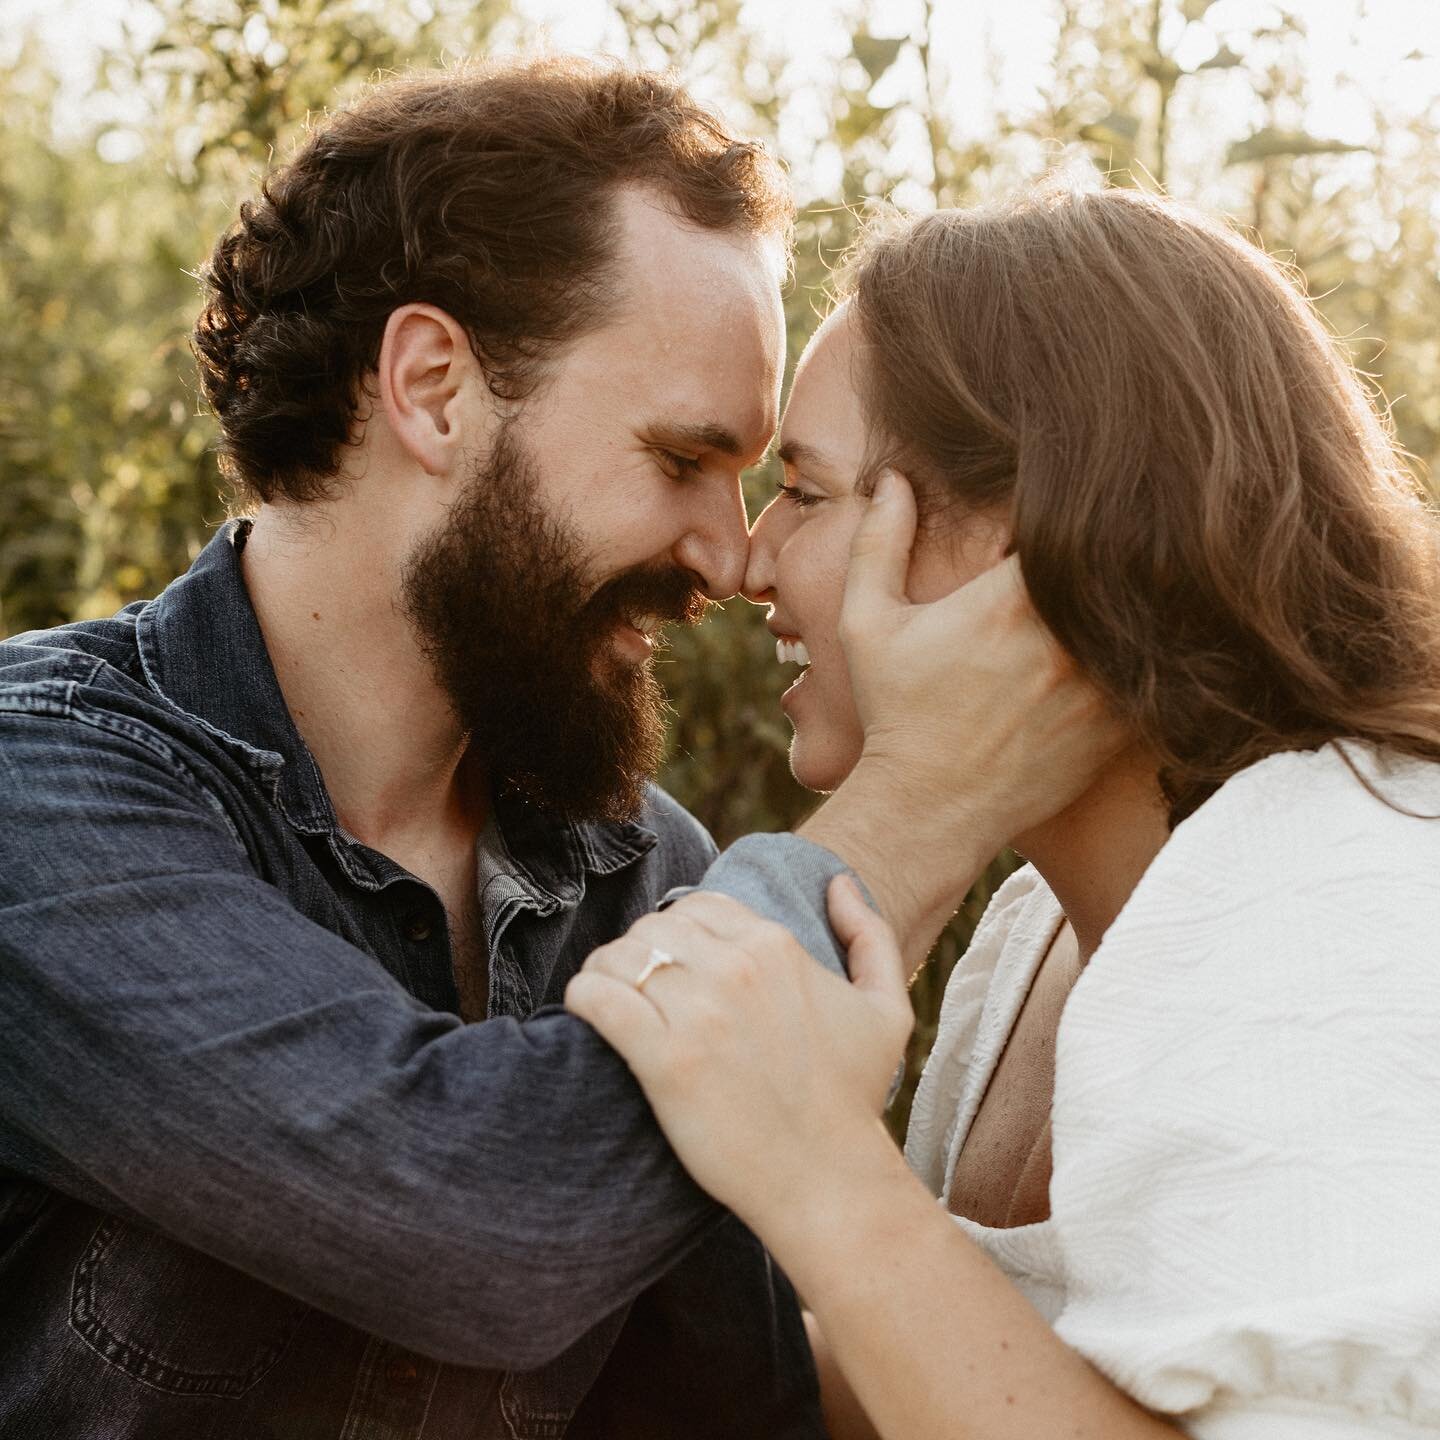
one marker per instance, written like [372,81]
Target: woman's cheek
[827,743]
[828,735]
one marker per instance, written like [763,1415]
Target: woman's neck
[1093,853]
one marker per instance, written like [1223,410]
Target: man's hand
[977,726]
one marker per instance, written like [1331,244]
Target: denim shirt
[257,1178]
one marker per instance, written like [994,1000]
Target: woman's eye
[796,496]
[678,467]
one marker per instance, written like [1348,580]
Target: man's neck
[1094,852]
[359,690]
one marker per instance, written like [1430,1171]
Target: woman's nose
[759,583]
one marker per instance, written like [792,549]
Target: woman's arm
[768,1075]
[845,1417]
[931,1339]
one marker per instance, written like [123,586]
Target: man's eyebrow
[707,435]
[796,452]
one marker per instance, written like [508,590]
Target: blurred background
[131,129]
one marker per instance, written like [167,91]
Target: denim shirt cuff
[781,878]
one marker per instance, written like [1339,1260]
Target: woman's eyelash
[797,496]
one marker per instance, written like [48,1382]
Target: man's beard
[504,612]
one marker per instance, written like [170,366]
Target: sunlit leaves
[876,53]
[1271,143]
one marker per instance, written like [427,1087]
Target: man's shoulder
[83,681]
[93,653]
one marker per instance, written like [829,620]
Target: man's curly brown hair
[483,190]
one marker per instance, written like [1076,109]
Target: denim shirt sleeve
[714,1350]
[183,1046]
[781,878]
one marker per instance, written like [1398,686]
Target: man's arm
[184,1047]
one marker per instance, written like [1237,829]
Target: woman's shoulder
[1343,795]
[1015,928]
[1291,920]
[1272,976]
[1343,828]
[984,988]
[1247,1062]
[1022,895]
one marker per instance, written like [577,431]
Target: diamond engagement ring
[659,960]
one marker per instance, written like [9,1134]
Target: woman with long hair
[1174,1161]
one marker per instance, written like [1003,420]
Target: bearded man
[297,859]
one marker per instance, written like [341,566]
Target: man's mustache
[672,595]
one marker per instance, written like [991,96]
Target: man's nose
[717,545]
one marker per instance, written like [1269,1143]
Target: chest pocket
[175,1319]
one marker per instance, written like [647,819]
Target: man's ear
[425,377]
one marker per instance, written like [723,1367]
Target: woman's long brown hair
[1210,514]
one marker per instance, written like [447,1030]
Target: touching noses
[716,546]
[759,583]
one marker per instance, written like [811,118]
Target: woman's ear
[425,379]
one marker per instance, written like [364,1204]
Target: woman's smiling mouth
[790,649]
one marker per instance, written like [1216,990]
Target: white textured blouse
[1245,1199]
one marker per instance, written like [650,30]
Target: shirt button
[417,926]
[402,1372]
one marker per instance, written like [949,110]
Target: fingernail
[884,487]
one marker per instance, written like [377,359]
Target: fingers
[629,961]
[849,914]
[722,916]
[621,1014]
[683,930]
[999,592]
[880,548]
[704,931]
[876,964]
[694,925]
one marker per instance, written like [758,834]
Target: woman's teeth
[788,651]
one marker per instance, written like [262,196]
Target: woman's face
[800,549]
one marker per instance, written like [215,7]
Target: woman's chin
[821,766]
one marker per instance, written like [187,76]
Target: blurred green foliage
[107,482]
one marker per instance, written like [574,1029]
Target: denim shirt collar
[202,650]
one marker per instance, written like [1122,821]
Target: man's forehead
[698,331]
[655,235]
[689,285]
